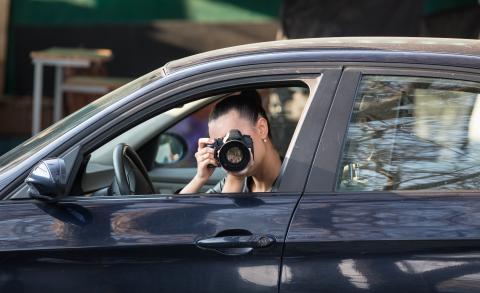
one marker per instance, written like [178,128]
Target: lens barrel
[234,153]
[234,156]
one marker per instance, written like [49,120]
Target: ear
[262,127]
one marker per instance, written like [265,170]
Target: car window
[412,133]
[283,105]
[167,143]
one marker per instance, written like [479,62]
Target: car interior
[157,155]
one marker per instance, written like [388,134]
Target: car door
[393,198]
[164,243]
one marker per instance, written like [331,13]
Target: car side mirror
[172,148]
[47,180]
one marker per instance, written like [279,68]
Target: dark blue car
[378,192]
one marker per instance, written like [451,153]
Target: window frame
[290,170]
[327,161]
[181,91]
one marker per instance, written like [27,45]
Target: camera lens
[234,155]
[234,151]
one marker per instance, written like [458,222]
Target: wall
[143,34]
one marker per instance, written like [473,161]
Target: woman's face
[232,120]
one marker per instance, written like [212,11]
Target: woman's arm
[193,186]
[204,157]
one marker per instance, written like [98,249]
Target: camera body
[233,151]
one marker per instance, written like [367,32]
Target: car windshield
[53,132]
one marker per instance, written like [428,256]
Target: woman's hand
[205,157]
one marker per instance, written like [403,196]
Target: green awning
[436,6]
[81,12]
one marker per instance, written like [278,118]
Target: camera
[233,151]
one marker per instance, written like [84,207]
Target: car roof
[465,47]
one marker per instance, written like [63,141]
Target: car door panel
[140,244]
[387,243]
[378,241]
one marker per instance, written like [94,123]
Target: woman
[244,112]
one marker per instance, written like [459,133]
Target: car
[379,189]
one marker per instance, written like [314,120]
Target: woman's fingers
[204,154]
[205,157]
[203,142]
[211,162]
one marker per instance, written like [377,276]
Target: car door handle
[247,241]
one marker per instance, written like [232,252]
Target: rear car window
[412,133]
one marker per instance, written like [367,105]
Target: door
[144,244]
[392,206]
[195,243]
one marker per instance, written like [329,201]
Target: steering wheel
[131,176]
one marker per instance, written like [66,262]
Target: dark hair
[248,103]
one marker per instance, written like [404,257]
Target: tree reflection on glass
[413,133]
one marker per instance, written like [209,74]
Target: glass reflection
[413,133]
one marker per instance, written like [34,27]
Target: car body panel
[140,243]
[387,44]
[398,241]
[383,242]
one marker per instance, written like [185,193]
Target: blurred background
[117,41]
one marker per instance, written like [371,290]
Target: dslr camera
[233,151]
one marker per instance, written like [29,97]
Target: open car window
[167,142]
[283,105]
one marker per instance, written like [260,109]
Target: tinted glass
[413,133]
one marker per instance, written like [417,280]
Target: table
[59,58]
